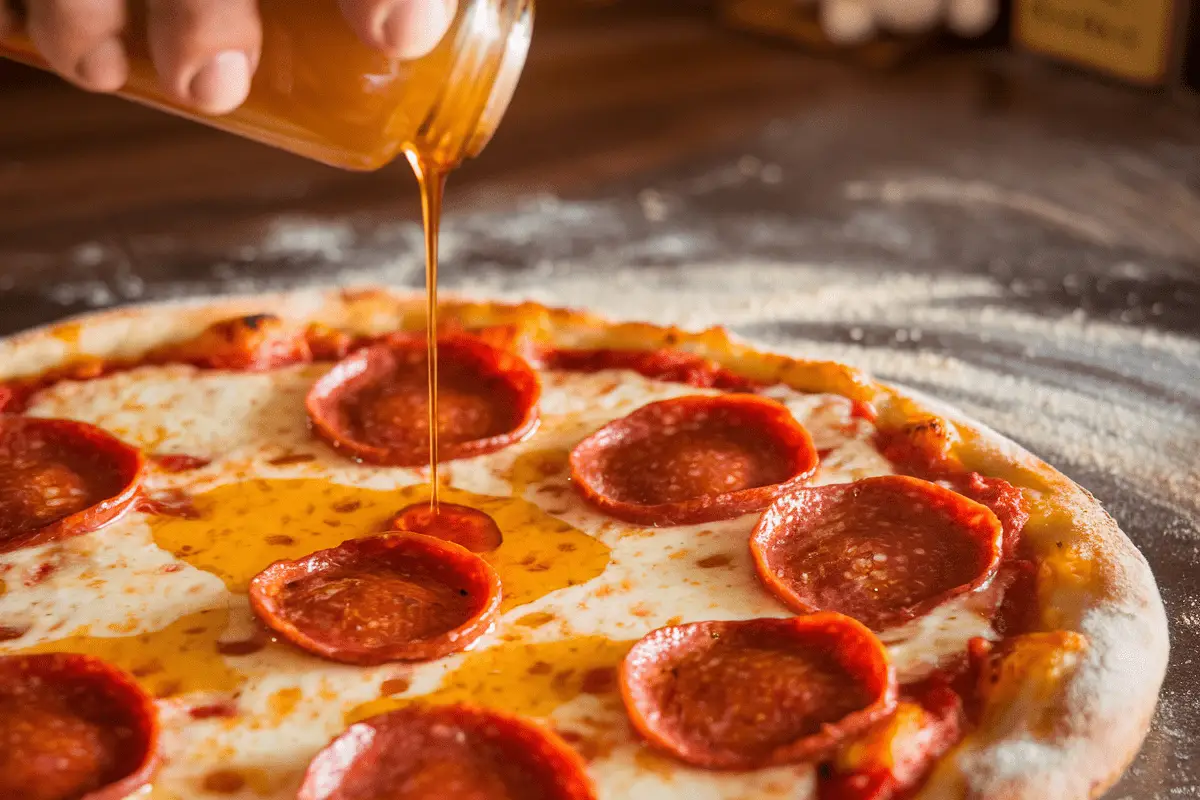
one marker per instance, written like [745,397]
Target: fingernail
[222,84]
[411,28]
[106,68]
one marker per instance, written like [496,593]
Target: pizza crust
[1107,702]
[1093,580]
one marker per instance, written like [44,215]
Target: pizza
[663,565]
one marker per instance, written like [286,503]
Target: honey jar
[321,93]
[1130,40]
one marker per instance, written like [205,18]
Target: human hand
[205,51]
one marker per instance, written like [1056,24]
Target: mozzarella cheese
[243,721]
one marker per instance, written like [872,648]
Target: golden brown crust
[1074,723]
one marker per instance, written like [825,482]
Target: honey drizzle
[432,181]
[238,529]
[525,678]
[186,656]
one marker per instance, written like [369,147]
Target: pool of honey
[236,530]
[241,528]
[186,656]
[320,110]
[530,679]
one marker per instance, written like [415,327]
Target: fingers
[80,39]
[206,51]
[400,28]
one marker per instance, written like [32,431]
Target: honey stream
[238,529]
[432,181]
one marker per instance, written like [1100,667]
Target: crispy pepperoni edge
[672,366]
[128,460]
[773,417]
[859,650]
[482,579]
[251,343]
[960,508]
[356,748]
[120,688]
[373,361]
[922,448]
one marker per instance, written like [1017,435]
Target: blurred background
[1041,110]
[995,202]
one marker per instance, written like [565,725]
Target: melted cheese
[164,597]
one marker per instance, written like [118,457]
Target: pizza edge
[1069,728]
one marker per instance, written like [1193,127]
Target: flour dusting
[952,337]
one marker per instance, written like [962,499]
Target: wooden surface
[609,94]
[1003,217]
[606,93]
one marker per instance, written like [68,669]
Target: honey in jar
[321,93]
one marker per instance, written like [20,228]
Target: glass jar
[322,93]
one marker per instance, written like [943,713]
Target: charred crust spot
[928,425]
[256,321]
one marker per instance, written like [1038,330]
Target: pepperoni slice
[397,597]
[252,343]
[743,695]
[1004,499]
[881,550]
[73,727]
[673,366]
[60,478]
[451,752]
[373,404]
[921,449]
[694,459]
[465,526]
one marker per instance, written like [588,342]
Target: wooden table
[1035,226]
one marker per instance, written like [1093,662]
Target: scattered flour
[1095,397]
[1121,399]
